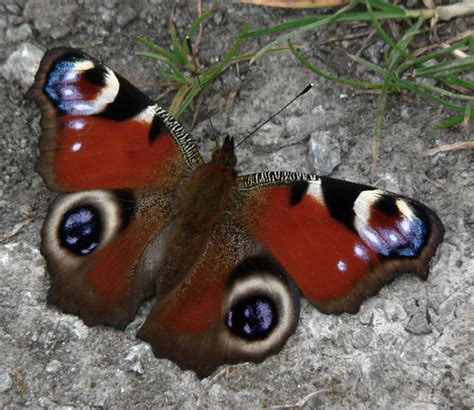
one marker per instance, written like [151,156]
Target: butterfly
[139,215]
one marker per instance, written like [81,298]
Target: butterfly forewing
[340,241]
[100,132]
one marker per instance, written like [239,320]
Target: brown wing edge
[50,124]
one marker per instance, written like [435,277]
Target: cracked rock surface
[408,347]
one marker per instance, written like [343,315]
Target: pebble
[418,324]
[22,64]
[126,15]
[5,382]
[51,18]
[324,152]
[18,33]
[53,366]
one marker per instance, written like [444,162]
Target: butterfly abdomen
[203,202]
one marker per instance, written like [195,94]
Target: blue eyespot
[80,230]
[405,239]
[62,88]
[416,232]
[60,74]
[252,318]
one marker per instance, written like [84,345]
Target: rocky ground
[410,346]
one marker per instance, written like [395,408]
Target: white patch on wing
[76,124]
[361,252]
[342,266]
[146,115]
[374,238]
[109,91]
[363,205]
[314,189]
[82,65]
[405,209]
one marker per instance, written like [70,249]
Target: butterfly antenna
[193,58]
[304,91]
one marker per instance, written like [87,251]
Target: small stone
[126,15]
[366,317]
[324,152]
[110,3]
[53,366]
[137,367]
[22,64]
[405,114]
[137,352]
[437,171]
[5,382]
[13,9]
[418,324]
[361,338]
[18,33]
[375,52]
[52,18]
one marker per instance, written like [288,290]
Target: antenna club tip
[307,88]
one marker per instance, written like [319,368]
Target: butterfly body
[139,214]
[202,203]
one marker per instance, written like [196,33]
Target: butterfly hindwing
[103,249]
[236,305]
[339,241]
[100,132]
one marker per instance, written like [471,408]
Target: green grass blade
[447,68]
[171,76]
[163,60]
[288,25]
[174,108]
[449,122]
[408,85]
[303,60]
[249,56]
[178,51]
[459,82]
[218,68]
[287,36]
[387,7]
[415,62]
[342,18]
[377,134]
[195,89]
[398,49]
[160,50]
[444,92]
[196,23]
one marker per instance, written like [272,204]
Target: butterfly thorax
[203,202]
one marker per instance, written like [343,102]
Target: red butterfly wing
[100,132]
[339,241]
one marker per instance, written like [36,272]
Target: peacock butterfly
[140,214]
